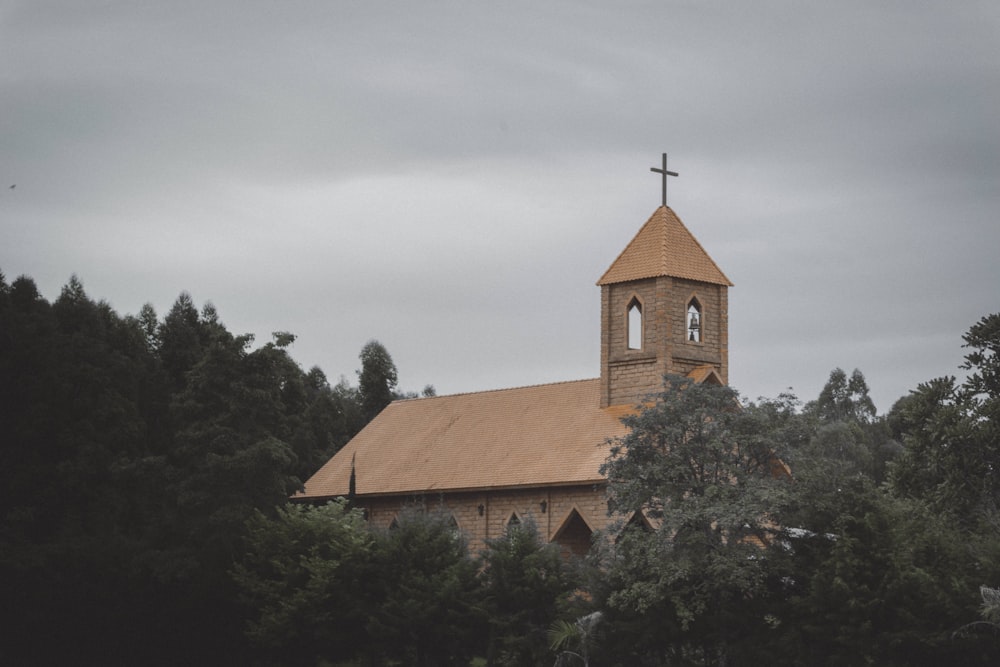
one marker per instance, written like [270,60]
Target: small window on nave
[574,536]
[456,530]
[634,324]
[694,321]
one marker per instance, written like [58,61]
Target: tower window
[634,324]
[694,322]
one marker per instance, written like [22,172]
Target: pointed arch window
[574,535]
[633,324]
[695,322]
[456,530]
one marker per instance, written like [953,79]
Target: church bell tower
[664,309]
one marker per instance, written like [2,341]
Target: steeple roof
[664,247]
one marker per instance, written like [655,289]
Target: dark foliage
[132,453]
[527,586]
[426,607]
[872,552]
[376,379]
[145,465]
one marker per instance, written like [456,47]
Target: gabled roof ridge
[492,391]
[664,244]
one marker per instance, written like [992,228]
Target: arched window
[694,321]
[456,530]
[634,325]
[573,536]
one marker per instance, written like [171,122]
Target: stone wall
[627,375]
[484,515]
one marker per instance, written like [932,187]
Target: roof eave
[472,489]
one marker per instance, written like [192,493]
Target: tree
[951,435]
[182,338]
[981,394]
[699,467]
[983,384]
[579,634]
[376,380]
[231,454]
[843,399]
[426,606]
[132,452]
[850,439]
[307,577]
[882,573]
[323,426]
[71,423]
[348,402]
[888,584]
[527,586]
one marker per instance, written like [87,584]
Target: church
[491,458]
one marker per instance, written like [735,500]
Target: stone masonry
[629,374]
[556,521]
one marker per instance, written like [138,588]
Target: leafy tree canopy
[706,472]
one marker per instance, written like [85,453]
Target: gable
[543,435]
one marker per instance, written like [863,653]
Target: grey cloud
[350,171]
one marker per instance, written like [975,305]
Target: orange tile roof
[664,247]
[542,435]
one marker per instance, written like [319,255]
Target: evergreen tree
[426,606]
[527,587]
[182,337]
[376,379]
[131,454]
[307,576]
[232,454]
[71,426]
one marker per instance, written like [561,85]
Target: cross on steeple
[665,174]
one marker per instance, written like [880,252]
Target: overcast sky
[452,178]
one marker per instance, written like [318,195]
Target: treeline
[146,464]
[816,534]
[748,533]
[327,590]
[132,452]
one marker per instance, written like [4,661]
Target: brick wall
[628,375]
[589,501]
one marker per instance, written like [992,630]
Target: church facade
[495,457]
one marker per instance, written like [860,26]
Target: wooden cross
[665,174]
